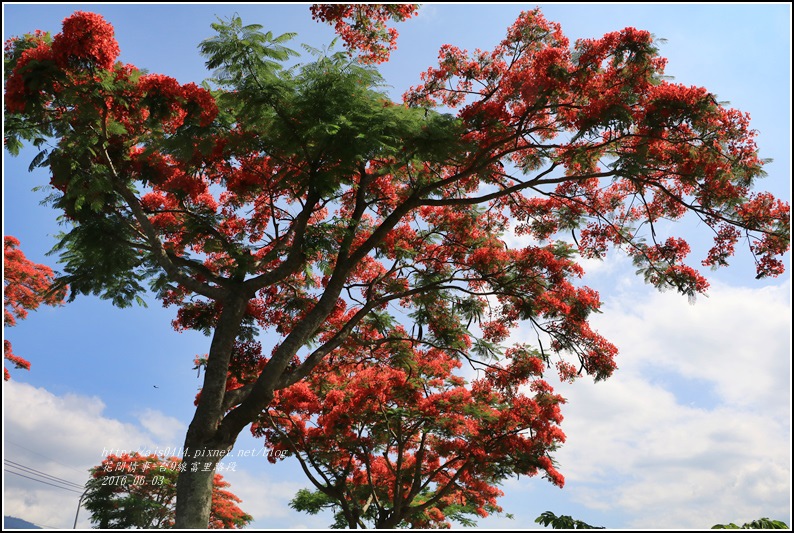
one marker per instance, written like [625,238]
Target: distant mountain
[10,522]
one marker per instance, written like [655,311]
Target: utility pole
[79,503]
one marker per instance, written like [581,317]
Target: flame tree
[304,202]
[410,443]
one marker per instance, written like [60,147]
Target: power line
[42,474]
[28,450]
[40,481]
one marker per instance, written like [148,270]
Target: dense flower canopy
[411,443]
[302,202]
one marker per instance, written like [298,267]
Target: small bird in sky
[155,386]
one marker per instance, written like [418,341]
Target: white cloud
[71,427]
[737,339]
[166,430]
[264,497]
[637,449]
[64,436]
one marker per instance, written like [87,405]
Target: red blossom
[363,26]
[18,91]
[379,248]
[368,426]
[202,101]
[86,38]
[26,285]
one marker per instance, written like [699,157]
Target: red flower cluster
[363,26]
[673,149]
[18,91]
[368,428]
[87,38]
[201,100]
[84,54]
[26,286]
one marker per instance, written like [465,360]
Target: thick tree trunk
[212,429]
[193,496]
[204,445]
[194,485]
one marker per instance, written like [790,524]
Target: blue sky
[694,428]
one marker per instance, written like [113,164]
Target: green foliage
[566,522]
[562,522]
[330,112]
[761,523]
[239,51]
[330,116]
[19,130]
[485,350]
[116,505]
[313,502]
[98,260]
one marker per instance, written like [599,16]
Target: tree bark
[193,497]
[204,445]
